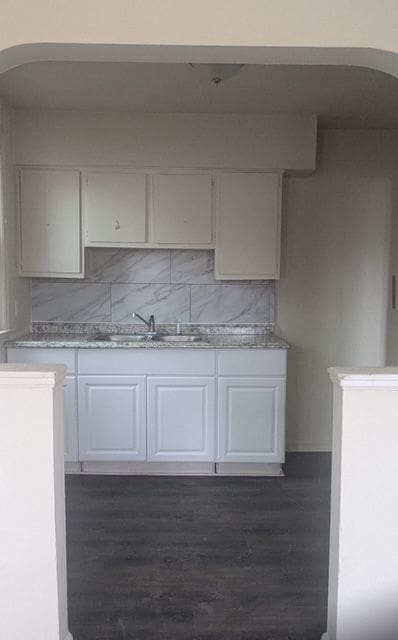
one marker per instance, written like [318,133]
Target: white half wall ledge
[31,375]
[381,378]
[363,558]
[33,586]
[369,57]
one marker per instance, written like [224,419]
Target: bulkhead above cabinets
[62,211]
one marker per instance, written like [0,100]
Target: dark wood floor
[156,558]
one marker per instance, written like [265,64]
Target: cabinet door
[182,209]
[181,419]
[115,208]
[251,420]
[50,243]
[71,446]
[248,226]
[112,418]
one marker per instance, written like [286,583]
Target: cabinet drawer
[147,362]
[250,362]
[44,356]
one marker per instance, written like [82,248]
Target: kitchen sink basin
[179,338]
[146,337]
[122,337]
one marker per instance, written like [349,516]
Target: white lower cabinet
[251,419]
[70,420]
[112,418]
[181,419]
[177,405]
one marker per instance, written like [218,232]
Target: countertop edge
[269,341]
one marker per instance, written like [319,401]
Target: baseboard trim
[149,468]
[299,464]
[175,468]
[246,469]
[73,467]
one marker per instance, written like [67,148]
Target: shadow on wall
[333,293]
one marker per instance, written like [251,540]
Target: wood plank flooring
[197,558]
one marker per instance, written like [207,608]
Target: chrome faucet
[149,323]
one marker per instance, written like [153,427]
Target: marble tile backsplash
[171,284]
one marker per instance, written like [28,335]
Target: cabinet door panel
[50,223]
[115,207]
[248,226]
[181,419]
[251,420]
[71,444]
[112,418]
[182,209]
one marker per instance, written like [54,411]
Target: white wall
[333,295]
[356,32]
[17,289]
[171,140]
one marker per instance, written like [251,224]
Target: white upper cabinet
[50,229]
[182,209]
[149,209]
[248,212]
[115,208]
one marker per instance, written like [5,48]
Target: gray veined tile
[192,266]
[271,299]
[166,302]
[231,303]
[70,302]
[128,265]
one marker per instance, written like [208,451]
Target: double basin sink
[147,337]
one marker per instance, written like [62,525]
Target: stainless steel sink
[146,337]
[179,338]
[122,337]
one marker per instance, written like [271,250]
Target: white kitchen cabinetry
[50,225]
[112,418]
[248,213]
[71,441]
[224,406]
[182,209]
[114,208]
[181,419]
[251,406]
[251,420]
[150,209]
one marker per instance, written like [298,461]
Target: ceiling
[344,97]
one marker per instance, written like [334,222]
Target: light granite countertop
[72,336]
